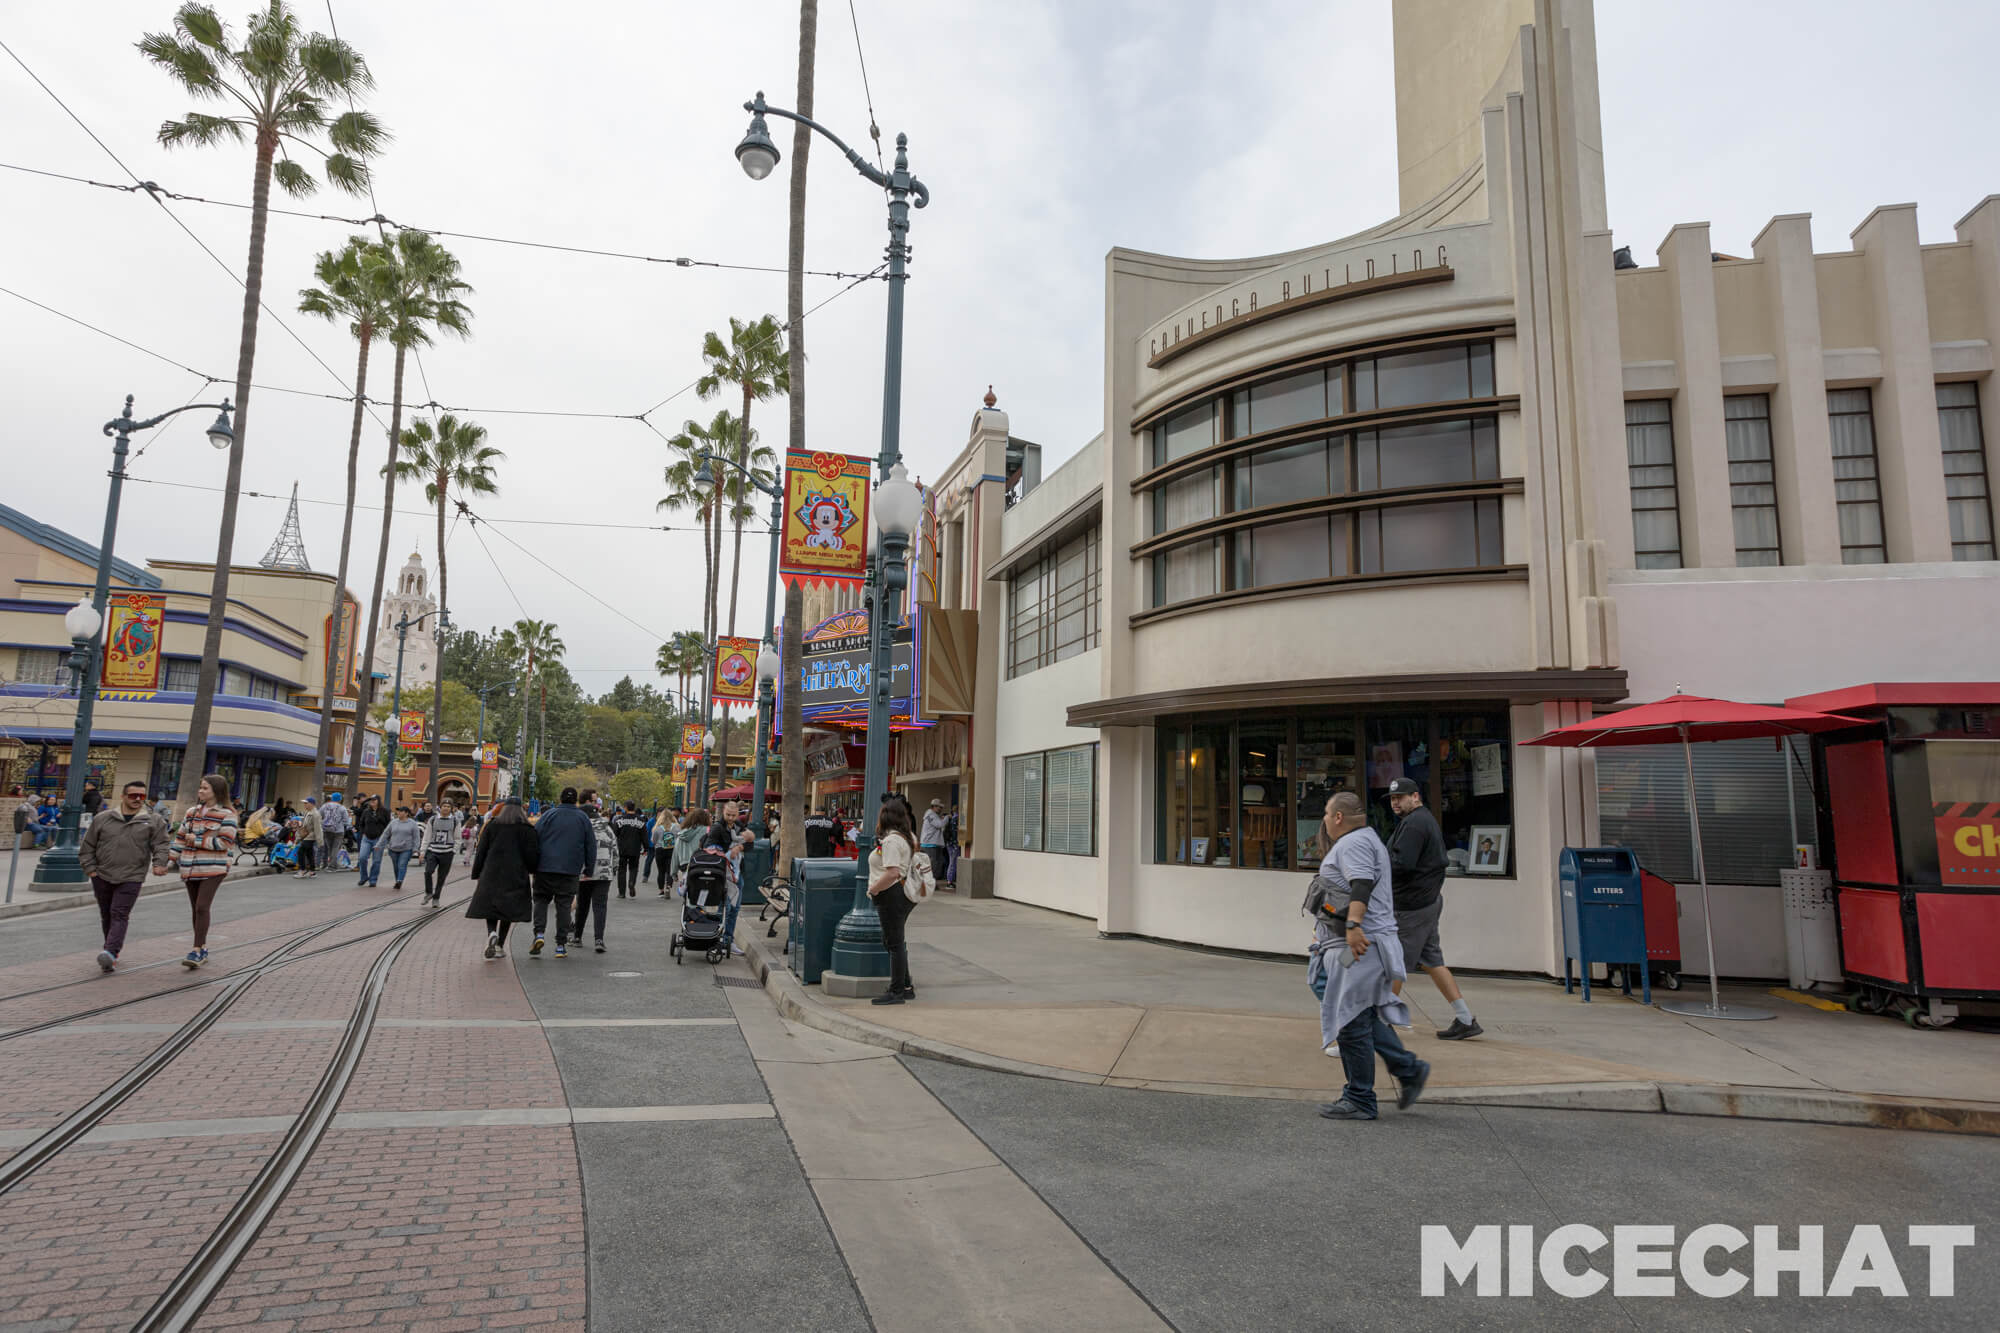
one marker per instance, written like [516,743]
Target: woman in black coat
[504,868]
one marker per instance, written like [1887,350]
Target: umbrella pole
[1714,1008]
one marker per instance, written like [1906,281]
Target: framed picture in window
[1488,845]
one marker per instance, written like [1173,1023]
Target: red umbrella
[1688,718]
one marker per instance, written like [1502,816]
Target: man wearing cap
[1416,851]
[931,839]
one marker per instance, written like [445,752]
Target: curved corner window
[1187,572]
[1189,432]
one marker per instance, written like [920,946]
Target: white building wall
[1032,717]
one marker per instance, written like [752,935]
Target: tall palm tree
[449,458]
[680,657]
[281,81]
[793,779]
[533,643]
[754,361]
[345,292]
[695,485]
[422,289]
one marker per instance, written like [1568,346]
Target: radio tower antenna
[288,549]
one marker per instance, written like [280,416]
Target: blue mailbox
[1604,915]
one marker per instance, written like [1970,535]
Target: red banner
[735,671]
[826,519]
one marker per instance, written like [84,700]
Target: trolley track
[98,979]
[267,963]
[81,1121]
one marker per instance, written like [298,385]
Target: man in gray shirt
[1358,958]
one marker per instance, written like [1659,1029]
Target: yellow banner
[133,630]
[691,734]
[735,671]
[411,729]
[826,518]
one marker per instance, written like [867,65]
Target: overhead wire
[379,220]
[154,194]
[874,130]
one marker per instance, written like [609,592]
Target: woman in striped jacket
[203,848]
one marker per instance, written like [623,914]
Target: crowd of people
[567,862]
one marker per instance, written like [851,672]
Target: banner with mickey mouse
[826,519]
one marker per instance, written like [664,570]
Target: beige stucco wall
[1951,284]
[1645,314]
[1846,310]
[1742,307]
[1448,54]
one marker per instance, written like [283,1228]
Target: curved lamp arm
[759,107]
[773,490]
[127,425]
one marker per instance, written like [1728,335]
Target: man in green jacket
[116,851]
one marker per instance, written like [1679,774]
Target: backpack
[920,883]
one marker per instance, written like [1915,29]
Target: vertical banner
[735,671]
[410,730]
[826,519]
[340,648]
[489,753]
[691,734]
[133,631]
[371,750]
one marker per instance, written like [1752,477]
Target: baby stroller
[702,908]
[284,853]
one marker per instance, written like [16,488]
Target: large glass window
[1251,790]
[1432,375]
[1189,432]
[1186,572]
[1649,456]
[1051,802]
[1021,826]
[1965,482]
[1052,605]
[166,775]
[1421,538]
[1753,478]
[1294,549]
[41,666]
[1432,453]
[182,674]
[1857,482]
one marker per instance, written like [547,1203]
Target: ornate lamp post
[59,867]
[861,946]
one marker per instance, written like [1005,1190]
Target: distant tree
[624,696]
[583,777]
[644,785]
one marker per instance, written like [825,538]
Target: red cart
[1909,812]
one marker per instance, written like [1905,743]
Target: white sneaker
[736,949]
[492,944]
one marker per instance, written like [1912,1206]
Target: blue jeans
[371,849]
[1366,1034]
[729,922]
[398,862]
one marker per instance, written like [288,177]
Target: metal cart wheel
[1672,980]
[715,955]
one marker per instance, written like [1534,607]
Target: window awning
[1588,685]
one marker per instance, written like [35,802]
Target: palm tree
[283,80]
[793,778]
[421,287]
[451,457]
[754,361]
[345,292]
[693,485]
[681,657]
[532,643]
[739,507]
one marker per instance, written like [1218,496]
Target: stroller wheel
[715,955]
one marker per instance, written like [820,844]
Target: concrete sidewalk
[1019,989]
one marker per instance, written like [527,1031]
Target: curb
[1808,1105]
[57,902]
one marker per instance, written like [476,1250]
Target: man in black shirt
[819,828]
[1416,856]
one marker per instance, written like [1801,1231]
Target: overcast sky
[1047,130]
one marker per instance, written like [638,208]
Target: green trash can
[756,868]
[822,893]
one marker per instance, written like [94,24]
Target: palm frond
[332,66]
[200,131]
[292,178]
[192,67]
[202,24]
[357,133]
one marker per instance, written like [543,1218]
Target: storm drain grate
[750,982]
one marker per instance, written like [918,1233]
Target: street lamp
[403,628]
[860,967]
[60,869]
[479,752]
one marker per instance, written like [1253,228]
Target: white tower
[407,598]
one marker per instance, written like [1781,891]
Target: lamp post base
[854,988]
[59,871]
